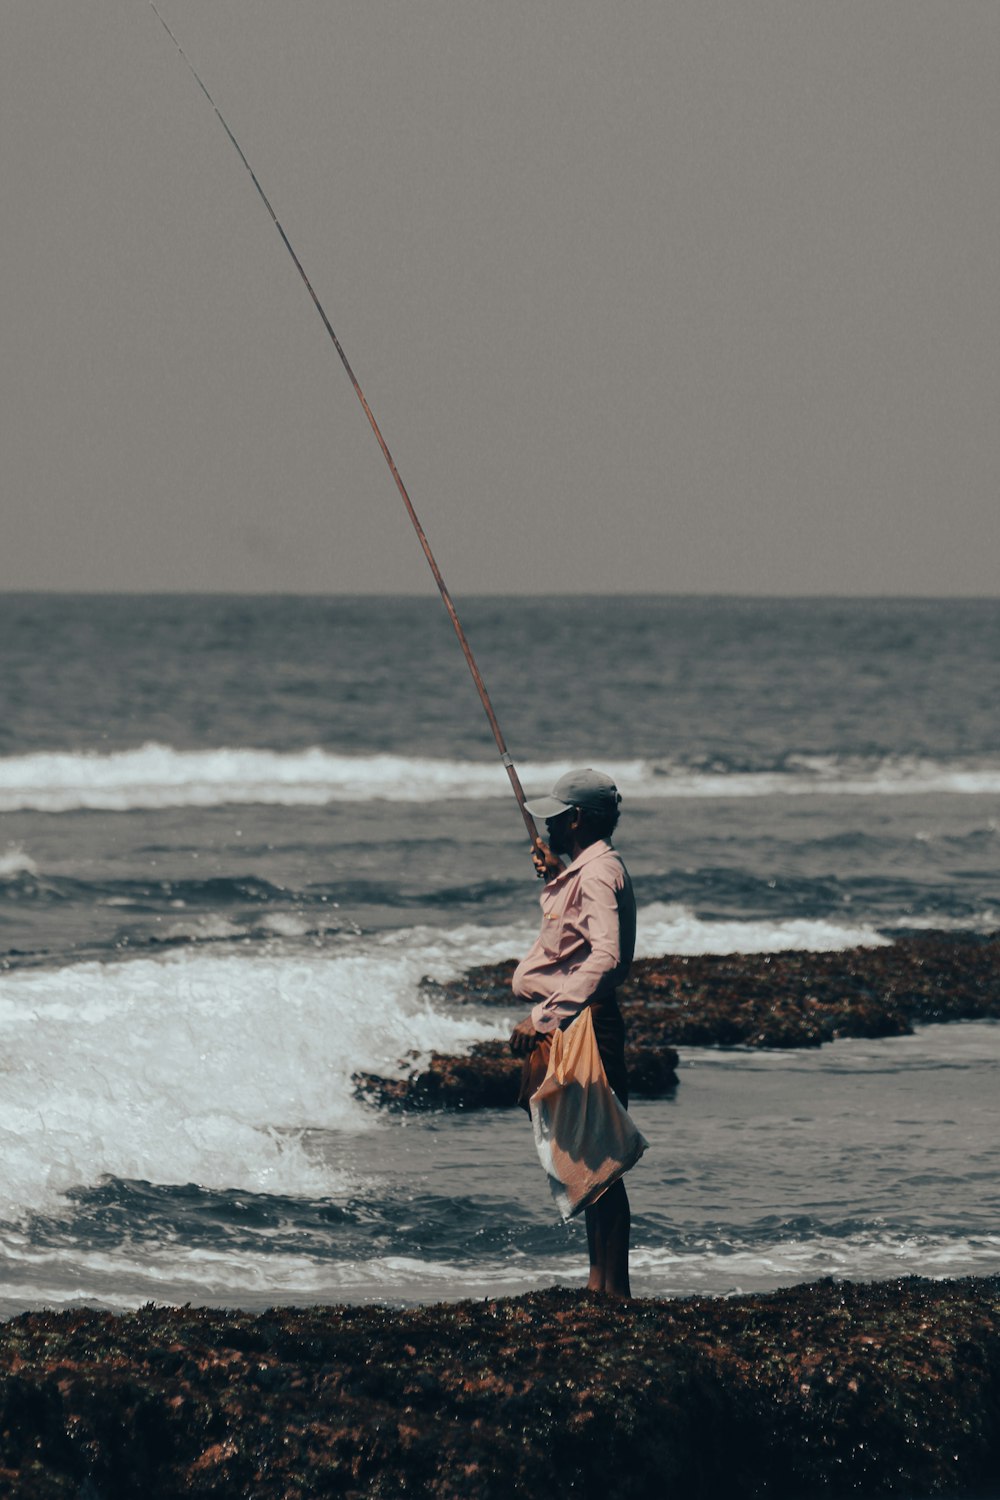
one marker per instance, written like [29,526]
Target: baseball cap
[587,789]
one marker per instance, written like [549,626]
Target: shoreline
[827,1388]
[759,1000]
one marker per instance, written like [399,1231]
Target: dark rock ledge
[750,1000]
[823,1390]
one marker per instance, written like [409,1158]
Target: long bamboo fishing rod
[508,763]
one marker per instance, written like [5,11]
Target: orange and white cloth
[584,1137]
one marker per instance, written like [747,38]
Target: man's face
[559,831]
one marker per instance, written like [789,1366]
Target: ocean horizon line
[429,592]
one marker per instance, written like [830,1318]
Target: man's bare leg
[609,1222]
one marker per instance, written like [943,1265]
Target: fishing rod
[484,696]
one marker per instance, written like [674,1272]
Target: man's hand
[547,865]
[524,1038]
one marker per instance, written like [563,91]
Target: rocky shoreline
[829,1389]
[798,999]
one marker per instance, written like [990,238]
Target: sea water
[237,833]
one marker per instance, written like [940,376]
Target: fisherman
[588,934]
[579,958]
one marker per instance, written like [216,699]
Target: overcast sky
[695,296]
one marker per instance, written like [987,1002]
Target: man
[581,955]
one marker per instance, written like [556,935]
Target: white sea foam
[14,861]
[158,776]
[200,1068]
[987,920]
[659,1271]
[128,1276]
[666,928]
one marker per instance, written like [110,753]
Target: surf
[158,776]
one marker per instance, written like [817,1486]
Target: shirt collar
[592,851]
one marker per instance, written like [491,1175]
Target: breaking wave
[159,776]
[212,1068]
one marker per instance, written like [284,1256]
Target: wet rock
[488,1077]
[805,999]
[830,1389]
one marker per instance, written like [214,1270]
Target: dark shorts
[609,1029]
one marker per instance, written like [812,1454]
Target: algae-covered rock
[487,1077]
[806,999]
[831,1389]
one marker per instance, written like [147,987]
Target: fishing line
[432,562]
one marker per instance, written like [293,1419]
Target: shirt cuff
[544,1019]
[549,1015]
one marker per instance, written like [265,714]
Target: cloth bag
[584,1138]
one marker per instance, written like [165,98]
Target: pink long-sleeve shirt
[585,947]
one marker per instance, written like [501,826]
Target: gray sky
[696,296]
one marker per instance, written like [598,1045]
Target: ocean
[238,832]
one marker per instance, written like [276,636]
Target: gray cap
[590,790]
